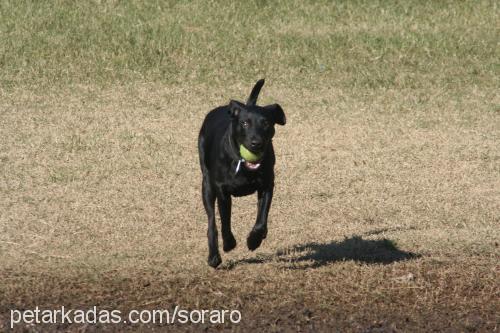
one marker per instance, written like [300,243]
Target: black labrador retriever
[228,133]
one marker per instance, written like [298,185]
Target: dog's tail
[252,99]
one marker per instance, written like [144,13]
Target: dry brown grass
[387,204]
[100,206]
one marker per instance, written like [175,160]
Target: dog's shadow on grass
[314,255]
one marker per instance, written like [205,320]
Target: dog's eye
[265,124]
[245,123]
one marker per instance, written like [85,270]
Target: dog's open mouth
[252,166]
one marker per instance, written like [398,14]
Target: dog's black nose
[255,144]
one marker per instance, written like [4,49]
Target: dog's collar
[238,166]
[233,152]
[241,160]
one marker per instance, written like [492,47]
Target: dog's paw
[255,238]
[214,260]
[229,243]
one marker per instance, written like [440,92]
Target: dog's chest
[244,183]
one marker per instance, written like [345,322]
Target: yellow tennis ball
[248,155]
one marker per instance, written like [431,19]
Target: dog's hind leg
[208,195]
[224,204]
[259,231]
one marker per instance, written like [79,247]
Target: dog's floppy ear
[277,113]
[235,108]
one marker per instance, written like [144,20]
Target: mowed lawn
[386,211]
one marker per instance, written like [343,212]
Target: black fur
[223,131]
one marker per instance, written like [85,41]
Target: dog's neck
[232,147]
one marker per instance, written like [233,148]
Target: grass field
[386,212]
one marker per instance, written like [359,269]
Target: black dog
[226,173]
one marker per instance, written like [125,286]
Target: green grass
[355,44]
[386,210]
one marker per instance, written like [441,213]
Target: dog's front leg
[224,204]
[208,195]
[259,231]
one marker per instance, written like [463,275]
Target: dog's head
[253,125]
